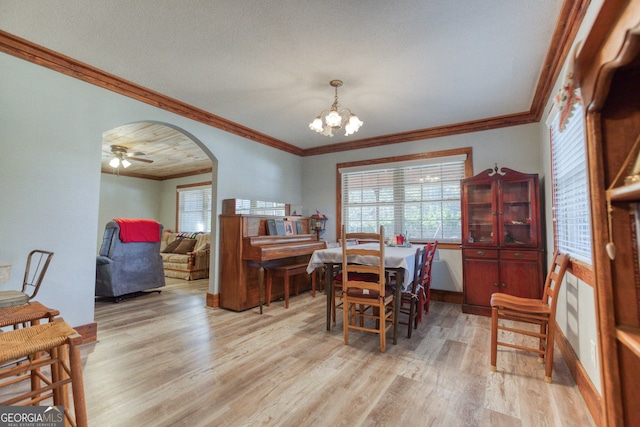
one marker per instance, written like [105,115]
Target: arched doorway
[160,157]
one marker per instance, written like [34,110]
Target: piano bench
[286,272]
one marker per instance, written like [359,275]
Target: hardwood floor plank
[167,360]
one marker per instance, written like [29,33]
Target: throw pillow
[186,245]
[202,247]
[171,246]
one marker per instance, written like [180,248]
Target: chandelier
[332,120]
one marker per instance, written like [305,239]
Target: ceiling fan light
[333,119]
[126,163]
[115,162]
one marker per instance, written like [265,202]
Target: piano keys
[246,249]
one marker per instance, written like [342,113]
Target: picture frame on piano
[290,227]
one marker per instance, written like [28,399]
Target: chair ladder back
[428,263]
[418,271]
[359,237]
[37,265]
[555,277]
[366,301]
[350,280]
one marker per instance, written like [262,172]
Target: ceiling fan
[122,157]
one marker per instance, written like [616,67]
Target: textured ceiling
[406,64]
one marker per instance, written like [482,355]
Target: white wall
[126,197]
[576,312]
[51,129]
[512,147]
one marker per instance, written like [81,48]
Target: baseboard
[446,296]
[89,332]
[213,300]
[590,395]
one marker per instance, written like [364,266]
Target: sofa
[128,267]
[185,255]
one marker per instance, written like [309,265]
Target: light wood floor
[166,360]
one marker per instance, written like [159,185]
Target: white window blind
[572,220]
[420,200]
[256,207]
[194,209]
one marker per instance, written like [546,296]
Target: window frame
[468,172]
[186,187]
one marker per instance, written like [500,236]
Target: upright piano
[246,248]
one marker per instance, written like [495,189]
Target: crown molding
[569,20]
[434,132]
[40,55]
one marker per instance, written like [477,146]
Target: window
[572,222]
[194,207]
[419,197]
[256,207]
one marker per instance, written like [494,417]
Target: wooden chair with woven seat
[55,345]
[350,239]
[357,292]
[37,265]
[29,314]
[537,311]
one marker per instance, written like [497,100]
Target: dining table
[398,260]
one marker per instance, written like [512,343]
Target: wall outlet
[594,353]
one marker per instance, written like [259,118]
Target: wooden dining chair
[425,288]
[348,239]
[364,286]
[410,298]
[537,311]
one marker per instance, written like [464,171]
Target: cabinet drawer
[519,255]
[480,253]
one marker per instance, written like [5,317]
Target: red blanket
[138,230]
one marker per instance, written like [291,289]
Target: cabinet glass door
[481,218]
[515,215]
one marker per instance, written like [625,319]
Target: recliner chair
[127,268]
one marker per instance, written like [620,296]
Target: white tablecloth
[394,257]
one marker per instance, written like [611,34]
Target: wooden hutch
[502,245]
[608,74]
[246,248]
